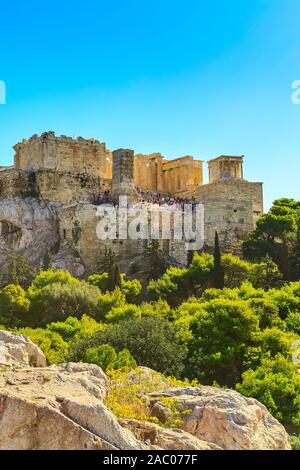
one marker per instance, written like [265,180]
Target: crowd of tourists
[148,197]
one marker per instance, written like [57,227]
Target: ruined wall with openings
[75,172]
[78,228]
[225,167]
[177,177]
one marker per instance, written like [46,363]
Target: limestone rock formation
[225,418]
[167,439]
[16,348]
[58,407]
[63,407]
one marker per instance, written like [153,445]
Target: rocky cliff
[64,407]
[31,227]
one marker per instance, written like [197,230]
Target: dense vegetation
[222,320]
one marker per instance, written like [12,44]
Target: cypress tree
[190,257]
[218,273]
[108,261]
[116,277]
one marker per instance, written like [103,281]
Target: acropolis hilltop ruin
[48,198]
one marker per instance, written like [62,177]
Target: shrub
[18,270]
[267,312]
[49,277]
[131,289]
[125,312]
[14,305]
[108,301]
[162,288]
[276,384]
[51,343]
[236,271]
[73,328]
[293,322]
[127,392]
[153,342]
[100,281]
[106,357]
[295,441]
[285,300]
[221,330]
[59,301]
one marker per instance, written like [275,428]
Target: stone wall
[231,208]
[78,228]
[231,219]
[74,172]
[123,174]
[52,185]
[78,225]
[65,187]
[17,183]
[64,154]
[239,190]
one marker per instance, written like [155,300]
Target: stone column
[123,174]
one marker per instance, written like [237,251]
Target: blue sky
[180,77]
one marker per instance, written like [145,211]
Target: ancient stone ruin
[49,199]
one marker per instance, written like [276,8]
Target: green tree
[73,328]
[58,301]
[49,277]
[267,311]
[153,342]
[177,284]
[108,261]
[221,330]
[68,329]
[14,306]
[199,273]
[99,280]
[274,235]
[106,357]
[18,270]
[124,312]
[265,274]
[131,289]
[102,355]
[167,286]
[47,260]
[51,343]
[156,260]
[276,384]
[273,341]
[295,256]
[236,271]
[108,301]
[218,272]
[293,322]
[115,279]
